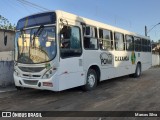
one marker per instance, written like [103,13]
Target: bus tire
[138,71]
[91,80]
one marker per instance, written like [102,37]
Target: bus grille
[29,76]
[31,69]
[30,82]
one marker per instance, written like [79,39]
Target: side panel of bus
[123,63]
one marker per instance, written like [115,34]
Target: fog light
[47,84]
[39,84]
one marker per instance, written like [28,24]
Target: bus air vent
[30,82]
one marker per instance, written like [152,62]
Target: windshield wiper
[38,32]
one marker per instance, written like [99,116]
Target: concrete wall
[155,59]
[6,68]
[6,57]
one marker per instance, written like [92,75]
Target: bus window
[149,46]
[144,45]
[70,42]
[90,38]
[105,39]
[119,41]
[137,42]
[129,43]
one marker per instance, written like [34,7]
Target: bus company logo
[47,65]
[106,58]
[133,57]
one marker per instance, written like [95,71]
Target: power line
[30,5]
[25,6]
[15,6]
[36,5]
[33,5]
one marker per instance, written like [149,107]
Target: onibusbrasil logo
[133,57]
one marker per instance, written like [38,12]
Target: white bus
[58,50]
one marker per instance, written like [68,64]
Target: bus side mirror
[66,32]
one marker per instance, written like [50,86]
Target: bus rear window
[36,20]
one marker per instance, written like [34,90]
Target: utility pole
[145,30]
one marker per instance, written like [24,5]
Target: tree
[5,24]
[156,47]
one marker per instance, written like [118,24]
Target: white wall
[155,59]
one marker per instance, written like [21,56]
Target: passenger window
[137,42]
[149,46]
[105,39]
[70,43]
[90,38]
[119,41]
[129,43]
[145,45]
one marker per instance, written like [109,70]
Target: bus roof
[70,16]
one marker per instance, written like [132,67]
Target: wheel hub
[91,80]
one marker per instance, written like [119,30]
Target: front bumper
[37,83]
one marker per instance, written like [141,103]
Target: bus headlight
[49,73]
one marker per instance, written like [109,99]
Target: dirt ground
[119,94]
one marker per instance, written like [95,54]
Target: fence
[155,59]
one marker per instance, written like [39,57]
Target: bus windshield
[36,45]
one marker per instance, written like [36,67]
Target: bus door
[71,63]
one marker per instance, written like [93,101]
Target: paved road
[120,94]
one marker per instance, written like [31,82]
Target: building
[6,57]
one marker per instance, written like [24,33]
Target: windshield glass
[35,45]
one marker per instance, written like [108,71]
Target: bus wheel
[91,80]
[138,71]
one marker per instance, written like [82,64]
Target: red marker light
[47,84]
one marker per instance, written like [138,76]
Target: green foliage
[5,24]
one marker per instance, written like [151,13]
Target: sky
[131,15]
